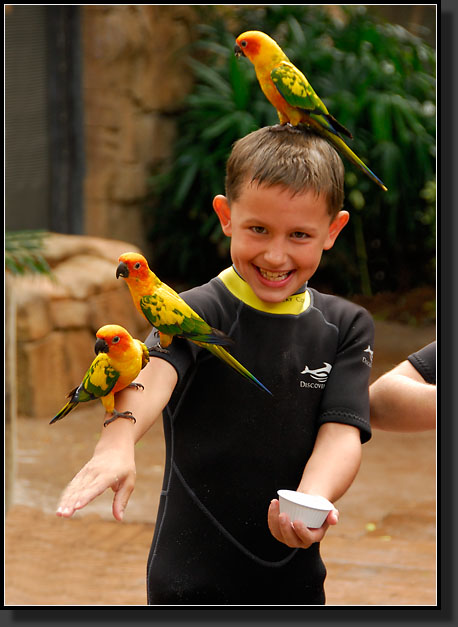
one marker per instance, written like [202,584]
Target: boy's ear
[335,227]
[223,211]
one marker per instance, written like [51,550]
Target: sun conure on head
[295,100]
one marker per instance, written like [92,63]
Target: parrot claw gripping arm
[157,348]
[117,414]
[137,386]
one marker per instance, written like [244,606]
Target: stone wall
[134,81]
[10,435]
[57,318]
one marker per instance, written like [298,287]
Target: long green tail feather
[66,409]
[351,156]
[222,354]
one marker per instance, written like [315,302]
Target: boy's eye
[299,235]
[258,229]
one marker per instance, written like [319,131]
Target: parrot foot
[275,128]
[137,386]
[117,414]
[285,127]
[157,348]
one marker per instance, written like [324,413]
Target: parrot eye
[244,43]
[137,265]
[116,339]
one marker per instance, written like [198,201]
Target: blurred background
[119,120]
[118,123]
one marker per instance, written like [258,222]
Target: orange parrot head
[133,267]
[258,47]
[112,339]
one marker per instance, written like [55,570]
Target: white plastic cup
[311,509]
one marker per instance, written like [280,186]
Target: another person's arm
[401,400]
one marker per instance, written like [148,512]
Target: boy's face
[277,239]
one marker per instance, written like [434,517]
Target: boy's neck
[294,305]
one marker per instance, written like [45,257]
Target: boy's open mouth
[271,275]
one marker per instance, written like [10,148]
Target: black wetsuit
[424,361]
[230,446]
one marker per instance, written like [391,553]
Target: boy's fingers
[296,534]
[274,509]
[304,536]
[288,533]
[121,498]
[69,503]
[272,518]
[83,489]
[309,535]
[281,528]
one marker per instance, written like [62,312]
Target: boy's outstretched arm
[113,462]
[329,472]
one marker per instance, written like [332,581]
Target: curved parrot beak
[122,270]
[101,346]
[238,51]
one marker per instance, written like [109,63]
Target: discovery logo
[370,352]
[320,375]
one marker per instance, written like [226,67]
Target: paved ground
[382,552]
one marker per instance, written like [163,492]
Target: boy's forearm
[158,379]
[329,472]
[334,463]
[113,462]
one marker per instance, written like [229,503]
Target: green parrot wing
[298,92]
[295,88]
[99,380]
[171,315]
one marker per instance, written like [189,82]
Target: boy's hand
[295,534]
[101,472]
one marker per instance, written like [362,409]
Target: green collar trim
[293,305]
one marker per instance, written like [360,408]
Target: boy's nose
[275,255]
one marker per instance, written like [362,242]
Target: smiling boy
[220,538]
[277,239]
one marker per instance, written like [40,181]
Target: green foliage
[375,78]
[23,252]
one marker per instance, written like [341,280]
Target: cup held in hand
[311,509]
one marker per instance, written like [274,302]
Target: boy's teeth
[273,276]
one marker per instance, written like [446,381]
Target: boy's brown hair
[297,159]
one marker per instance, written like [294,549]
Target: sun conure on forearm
[120,357]
[171,315]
